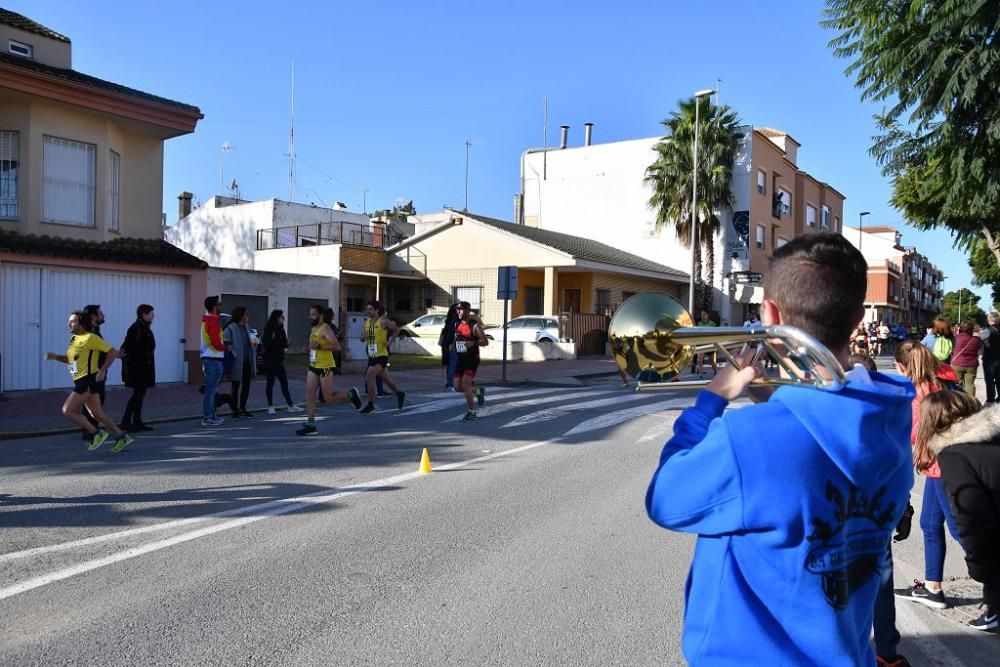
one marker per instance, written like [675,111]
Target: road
[529,543]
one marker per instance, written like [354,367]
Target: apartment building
[598,191]
[904,286]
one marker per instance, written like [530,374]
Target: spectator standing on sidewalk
[965,358]
[213,353]
[966,441]
[990,335]
[939,340]
[138,366]
[275,342]
[449,358]
[237,339]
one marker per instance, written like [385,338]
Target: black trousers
[276,369]
[991,373]
[242,390]
[133,409]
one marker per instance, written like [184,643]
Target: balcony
[328,233]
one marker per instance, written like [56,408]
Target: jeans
[934,513]
[449,381]
[886,634]
[276,369]
[212,368]
[133,410]
[991,372]
[967,378]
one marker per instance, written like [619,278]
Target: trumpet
[653,338]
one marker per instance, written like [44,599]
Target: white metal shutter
[9,168]
[22,351]
[68,181]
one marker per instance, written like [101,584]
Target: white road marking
[458,400]
[655,432]
[497,408]
[619,416]
[258,512]
[562,410]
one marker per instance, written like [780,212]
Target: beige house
[461,252]
[81,181]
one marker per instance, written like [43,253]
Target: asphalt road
[529,543]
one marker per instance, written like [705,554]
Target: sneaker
[308,429]
[400,399]
[919,593]
[271,410]
[246,414]
[98,439]
[122,442]
[624,384]
[354,397]
[988,620]
[470,416]
[295,408]
[235,415]
[368,409]
[895,661]
[211,421]
[480,396]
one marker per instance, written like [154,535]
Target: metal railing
[327,233]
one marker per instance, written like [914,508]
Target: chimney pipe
[563,135]
[183,205]
[588,130]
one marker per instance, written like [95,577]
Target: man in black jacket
[991,356]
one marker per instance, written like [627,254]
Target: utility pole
[364,199]
[545,138]
[225,148]
[291,139]
[468,144]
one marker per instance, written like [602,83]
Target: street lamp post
[861,223]
[694,196]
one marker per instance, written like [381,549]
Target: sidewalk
[25,414]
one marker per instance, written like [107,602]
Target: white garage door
[53,292]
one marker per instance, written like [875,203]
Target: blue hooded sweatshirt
[794,502]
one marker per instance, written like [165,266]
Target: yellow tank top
[320,358]
[376,338]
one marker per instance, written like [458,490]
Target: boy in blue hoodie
[793,500]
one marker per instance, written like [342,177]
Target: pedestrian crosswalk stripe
[458,400]
[555,413]
[497,408]
[619,416]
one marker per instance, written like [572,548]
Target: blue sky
[387,93]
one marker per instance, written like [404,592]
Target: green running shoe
[308,429]
[122,442]
[98,439]
[470,416]
[480,396]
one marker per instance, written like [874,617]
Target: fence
[327,233]
[588,331]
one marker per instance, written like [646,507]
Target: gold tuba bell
[653,339]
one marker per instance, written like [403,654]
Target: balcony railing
[327,233]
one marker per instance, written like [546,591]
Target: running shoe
[271,410]
[354,397]
[480,396]
[122,442]
[470,416]
[295,408]
[368,409]
[98,439]
[895,661]
[988,620]
[400,399]
[308,429]
[919,593]
[212,421]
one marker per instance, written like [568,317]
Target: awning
[748,294]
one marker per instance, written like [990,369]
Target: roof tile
[20,22]
[155,252]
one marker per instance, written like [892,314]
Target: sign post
[506,290]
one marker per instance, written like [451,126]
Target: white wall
[875,247]
[313,260]
[277,287]
[224,237]
[287,214]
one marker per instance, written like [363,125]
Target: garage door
[58,291]
[257,305]
[297,320]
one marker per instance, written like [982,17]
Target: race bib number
[72,368]
[460,347]
[312,356]
[373,351]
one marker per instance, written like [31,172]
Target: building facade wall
[47,51]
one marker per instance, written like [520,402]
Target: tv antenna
[225,148]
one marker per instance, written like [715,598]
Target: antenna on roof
[225,148]
[291,139]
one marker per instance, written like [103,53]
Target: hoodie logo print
[849,548]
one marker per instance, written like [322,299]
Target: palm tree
[670,176]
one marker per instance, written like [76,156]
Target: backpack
[942,348]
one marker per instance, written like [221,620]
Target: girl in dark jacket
[966,442]
[275,342]
[138,366]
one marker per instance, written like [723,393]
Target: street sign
[507,282]
[748,277]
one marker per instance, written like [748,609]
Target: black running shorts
[467,364]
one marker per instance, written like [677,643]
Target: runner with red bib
[469,337]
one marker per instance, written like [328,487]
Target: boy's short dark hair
[210,303]
[819,281]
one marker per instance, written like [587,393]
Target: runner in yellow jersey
[378,334]
[322,345]
[82,355]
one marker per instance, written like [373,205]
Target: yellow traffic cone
[425,463]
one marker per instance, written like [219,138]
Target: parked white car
[425,326]
[528,329]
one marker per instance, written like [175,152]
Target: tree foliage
[985,270]
[962,302]
[936,64]
[670,176]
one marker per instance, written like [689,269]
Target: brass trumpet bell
[640,337]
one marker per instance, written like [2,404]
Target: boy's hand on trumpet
[730,382]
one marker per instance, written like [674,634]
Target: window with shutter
[9,169]
[68,181]
[114,183]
